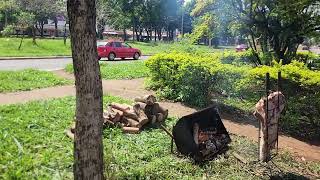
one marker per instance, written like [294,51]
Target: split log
[131,122]
[108,122]
[132,130]
[157,108]
[141,105]
[121,107]
[160,117]
[69,134]
[153,119]
[240,158]
[148,99]
[163,111]
[126,109]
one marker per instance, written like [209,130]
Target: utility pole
[182,33]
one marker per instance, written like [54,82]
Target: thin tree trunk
[124,35]
[133,30]
[56,32]
[160,34]
[41,28]
[155,34]
[88,147]
[5,18]
[34,36]
[65,34]
[21,41]
[140,35]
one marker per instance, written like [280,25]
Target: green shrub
[312,60]
[239,58]
[195,80]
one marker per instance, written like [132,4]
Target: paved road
[45,64]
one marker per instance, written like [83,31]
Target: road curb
[44,57]
[31,58]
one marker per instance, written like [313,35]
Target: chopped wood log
[148,99]
[240,158]
[121,107]
[126,109]
[131,122]
[132,130]
[143,122]
[108,122]
[163,111]
[153,119]
[156,108]
[69,134]
[141,105]
[160,117]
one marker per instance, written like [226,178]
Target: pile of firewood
[131,118]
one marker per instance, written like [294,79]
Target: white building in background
[49,28]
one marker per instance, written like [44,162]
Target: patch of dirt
[62,73]
[132,88]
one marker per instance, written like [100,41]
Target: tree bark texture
[88,147]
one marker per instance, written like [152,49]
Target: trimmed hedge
[196,80]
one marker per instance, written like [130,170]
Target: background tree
[25,21]
[204,24]
[88,147]
[278,26]
[7,8]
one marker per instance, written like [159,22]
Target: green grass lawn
[55,47]
[24,80]
[119,70]
[156,47]
[34,146]
[44,47]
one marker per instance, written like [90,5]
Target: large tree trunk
[88,147]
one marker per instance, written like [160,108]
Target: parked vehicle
[241,47]
[117,49]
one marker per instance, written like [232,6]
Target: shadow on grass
[288,176]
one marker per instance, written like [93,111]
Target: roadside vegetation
[56,47]
[44,47]
[234,80]
[33,145]
[152,48]
[119,70]
[29,79]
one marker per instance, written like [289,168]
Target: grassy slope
[11,81]
[33,145]
[120,70]
[154,48]
[52,47]
[44,47]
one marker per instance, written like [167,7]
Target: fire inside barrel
[201,135]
